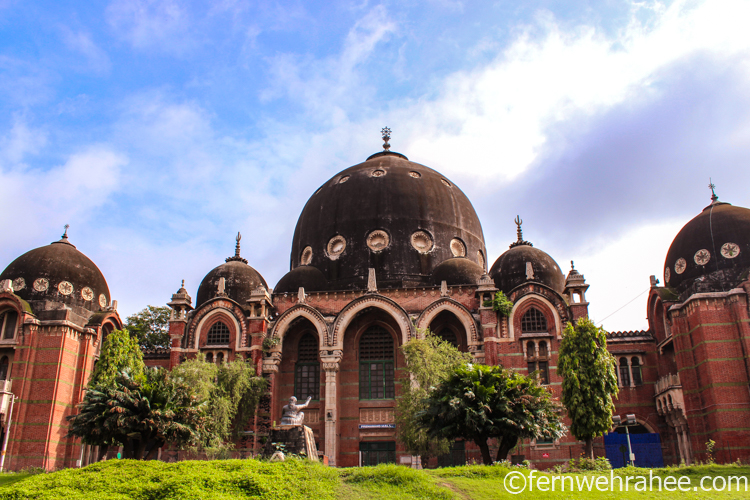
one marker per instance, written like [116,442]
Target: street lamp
[629,421]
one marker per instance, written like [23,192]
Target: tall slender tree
[119,353]
[589,381]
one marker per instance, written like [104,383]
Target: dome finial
[386,134]
[572,266]
[237,251]
[65,234]
[183,284]
[711,185]
[519,232]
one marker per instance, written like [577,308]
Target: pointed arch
[307,312]
[450,305]
[377,301]
[524,304]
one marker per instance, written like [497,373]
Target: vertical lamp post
[629,420]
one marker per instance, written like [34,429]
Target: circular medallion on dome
[728,250]
[343,179]
[65,288]
[87,293]
[19,284]
[378,173]
[306,256]
[680,266]
[41,284]
[702,257]
[458,248]
[416,175]
[422,241]
[480,258]
[446,182]
[667,275]
[336,247]
[378,240]
[102,300]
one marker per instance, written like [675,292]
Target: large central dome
[399,217]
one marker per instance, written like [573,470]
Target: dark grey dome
[240,281]
[458,271]
[396,216]
[712,250]
[58,272]
[510,269]
[308,277]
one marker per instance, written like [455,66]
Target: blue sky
[158,129]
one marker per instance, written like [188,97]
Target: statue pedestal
[296,439]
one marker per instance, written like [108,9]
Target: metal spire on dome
[519,233]
[237,251]
[711,185]
[386,134]
[65,234]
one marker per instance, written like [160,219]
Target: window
[538,360]
[307,369]
[4,368]
[218,334]
[635,368]
[376,364]
[449,336]
[533,321]
[624,373]
[210,357]
[380,452]
[220,358]
[8,320]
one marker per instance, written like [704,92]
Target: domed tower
[55,311]
[398,217]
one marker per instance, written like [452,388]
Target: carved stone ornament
[667,275]
[378,173]
[343,179]
[680,266]
[19,284]
[445,181]
[307,255]
[702,257]
[41,284]
[378,240]
[336,247]
[65,288]
[102,300]
[728,250]
[87,293]
[416,175]
[458,248]
[422,241]
[291,412]
[480,259]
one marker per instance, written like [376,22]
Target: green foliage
[477,402]
[269,343]
[120,353]
[429,360]
[150,327]
[137,413]
[229,392]
[589,381]
[500,304]
[598,464]
[392,481]
[710,445]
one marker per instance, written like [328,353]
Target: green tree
[150,327]
[119,353]
[477,402]
[589,381]
[429,360]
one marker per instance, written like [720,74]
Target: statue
[292,414]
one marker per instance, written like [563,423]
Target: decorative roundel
[378,240]
[378,173]
[702,257]
[667,275]
[422,241]
[458,248]
[41,284]
[65,288]
[728,250]
[480,258]
[416,175]
[343,179]
[87,293]
[445,181]
[680,265]
[336,247]
[306,258]
[102,300]
[19,284]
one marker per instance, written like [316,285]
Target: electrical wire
[624,305]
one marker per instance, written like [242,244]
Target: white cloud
[150,24]
[81,42]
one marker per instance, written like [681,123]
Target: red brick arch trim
[543,305]
[235,320]
[349,312]
[302,311]
[463,315]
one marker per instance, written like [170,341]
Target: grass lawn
[239,479]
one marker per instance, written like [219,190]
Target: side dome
[523,263]
[239,280]
[387,213]
[308,277]
[457,271]
[712,251]
[58,272]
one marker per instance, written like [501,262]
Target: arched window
[4,368]
[624,373]
[210,357]
[449,336]
[635,368]
[307,369]
[533,321]
[8,320]
[376,356]
[220,357]
[218,334]
[538,363]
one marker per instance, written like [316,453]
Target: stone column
[331,363]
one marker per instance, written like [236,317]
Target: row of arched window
[8,320]
[629,371]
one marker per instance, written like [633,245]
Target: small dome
[457,271]
[58,272]
[308,277]
[713,248]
